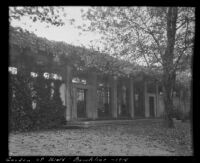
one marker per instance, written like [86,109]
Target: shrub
[49,112]
[19,103]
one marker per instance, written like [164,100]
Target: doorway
[103,97]
[81,103]
[151,106]
[139,100]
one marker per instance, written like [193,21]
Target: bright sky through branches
[67,33]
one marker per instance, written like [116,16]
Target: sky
[67,33]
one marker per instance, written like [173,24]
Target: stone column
[66,73]
[114,97]
[131,98]
[94,96]
[74,108]
[69,94]
[91,96]
[157,100]
[146,100]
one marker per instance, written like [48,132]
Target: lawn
[138,138]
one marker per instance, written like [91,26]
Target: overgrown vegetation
[23,91]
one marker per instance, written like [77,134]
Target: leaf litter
[138,138]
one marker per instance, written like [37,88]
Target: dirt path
[123,140]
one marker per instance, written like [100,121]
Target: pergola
[30,53]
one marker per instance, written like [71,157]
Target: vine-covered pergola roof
[60,54]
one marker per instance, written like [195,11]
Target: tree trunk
[168,72]
[168,83]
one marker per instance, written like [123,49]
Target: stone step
[101,123]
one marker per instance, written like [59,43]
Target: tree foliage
[160,37]
[49,15]
[140,33]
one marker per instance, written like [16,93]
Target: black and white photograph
[100,80]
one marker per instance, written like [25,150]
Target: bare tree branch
[151,33]
[183,23]
[143,51]
[180,56]
[155,39]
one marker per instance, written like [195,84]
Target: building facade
[98,96]
[89,90]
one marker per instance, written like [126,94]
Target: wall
[160,108]
[91,96]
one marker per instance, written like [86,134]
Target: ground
[140,137]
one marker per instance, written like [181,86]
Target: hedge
[23,90]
